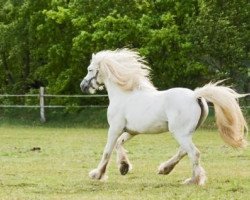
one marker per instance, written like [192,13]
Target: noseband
[94,78]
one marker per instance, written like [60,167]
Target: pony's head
[92,81]
[123,67]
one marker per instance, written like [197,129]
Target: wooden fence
[42,105]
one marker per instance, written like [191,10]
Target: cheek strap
[94,78]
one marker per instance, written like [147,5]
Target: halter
[94,78]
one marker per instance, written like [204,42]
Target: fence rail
[42,105]
[53,95]
[52,106]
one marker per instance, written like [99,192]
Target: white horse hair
[137,107]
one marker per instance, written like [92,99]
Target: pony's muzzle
[84,86]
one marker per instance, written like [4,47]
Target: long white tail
[229,118]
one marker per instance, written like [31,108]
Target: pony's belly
[158,127]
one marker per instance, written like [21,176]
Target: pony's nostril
[83,87]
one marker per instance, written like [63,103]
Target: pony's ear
[93,55]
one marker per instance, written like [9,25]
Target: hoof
[97,175]
[165,170]
[189,181]
[199,177]
[195,181]
[124,168]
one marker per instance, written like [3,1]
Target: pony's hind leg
[168,166]
[122,159]
[199,175]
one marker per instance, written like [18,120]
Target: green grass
[60,169]
[88,117]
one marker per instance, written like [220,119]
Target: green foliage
[187,43]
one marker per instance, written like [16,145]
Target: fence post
[42,109]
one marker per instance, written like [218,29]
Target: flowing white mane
[124,67]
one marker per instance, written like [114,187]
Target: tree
[187,43]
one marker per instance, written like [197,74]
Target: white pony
[137,107]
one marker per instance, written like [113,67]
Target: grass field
[60,169]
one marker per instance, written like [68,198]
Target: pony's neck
[114,91]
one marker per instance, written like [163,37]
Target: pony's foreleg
[99,172]
[199,175]
[168,166]
[122,159]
